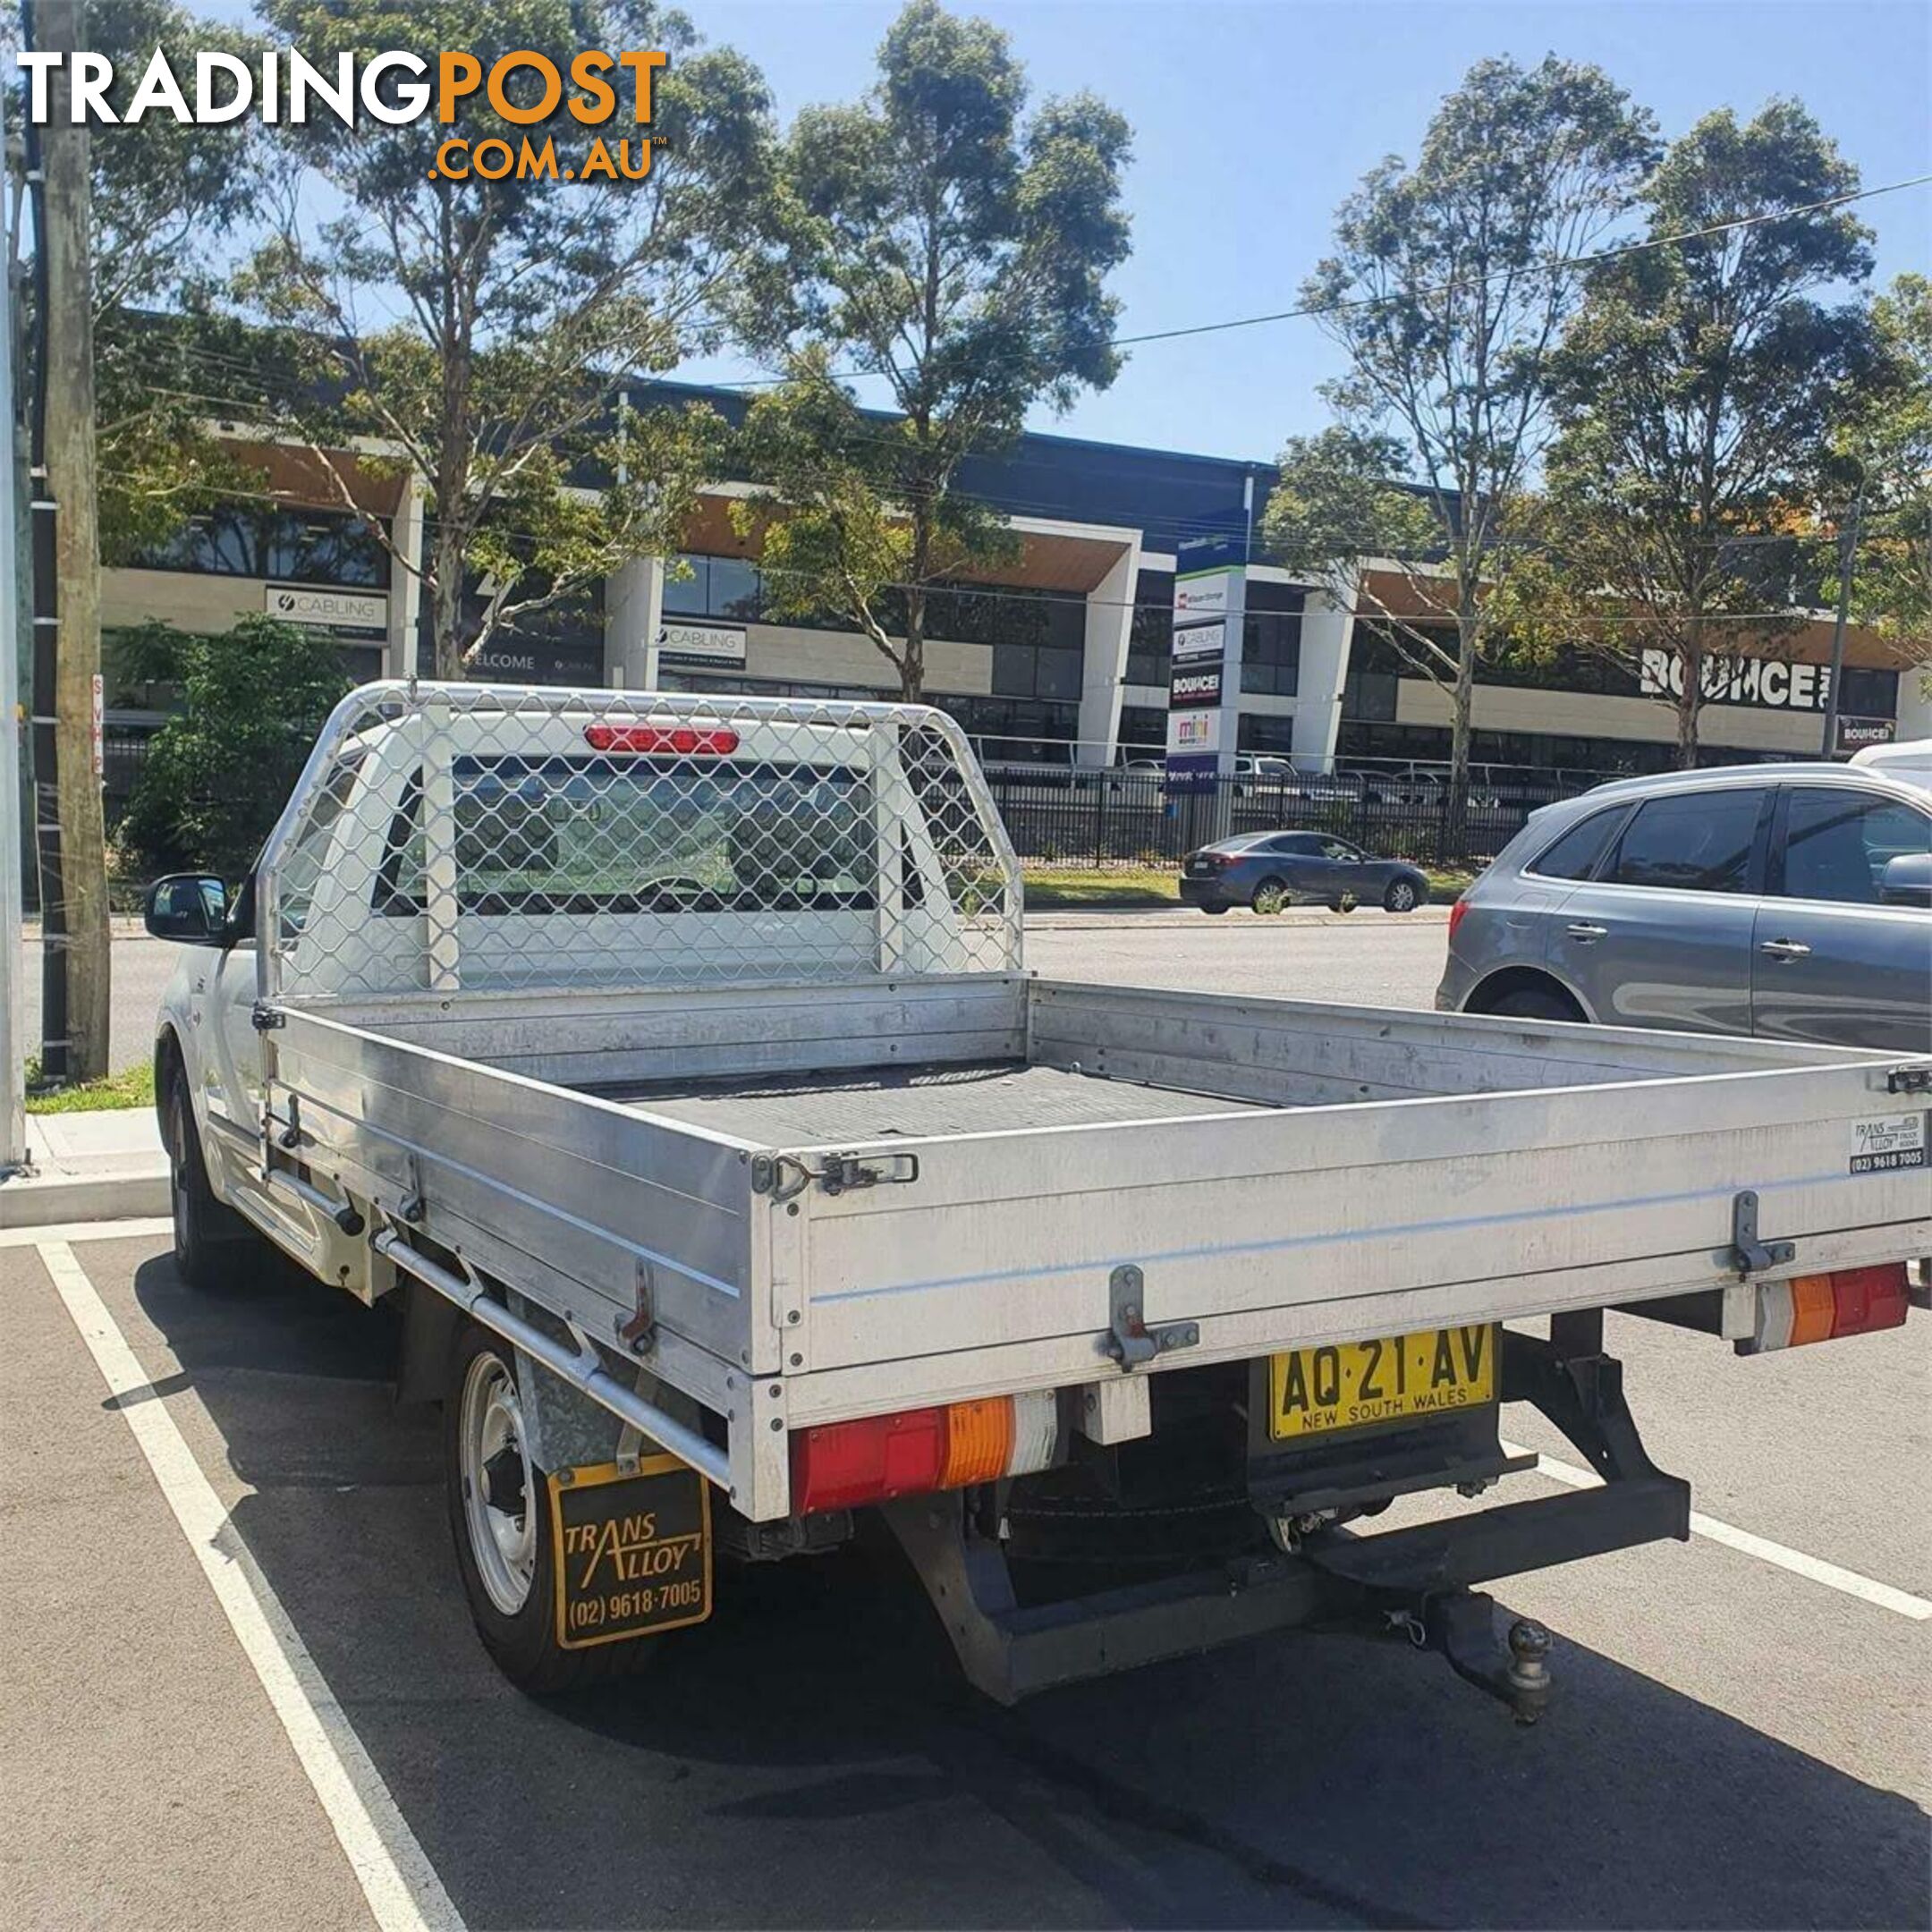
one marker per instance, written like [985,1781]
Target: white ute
[672,1059]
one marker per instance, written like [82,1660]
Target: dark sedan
[1269,871]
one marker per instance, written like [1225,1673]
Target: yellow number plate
[1316,1391]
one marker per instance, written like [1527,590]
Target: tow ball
[1462,1625]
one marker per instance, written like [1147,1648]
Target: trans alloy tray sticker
[1885,1145]
[632,1551]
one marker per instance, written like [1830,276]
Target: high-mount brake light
[840,1465]
[688,740]
[1823,1308]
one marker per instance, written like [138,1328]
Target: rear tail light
[689,740]
[1458,912]
[1821,1308]
[842,1464]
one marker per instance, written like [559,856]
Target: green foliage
[216,777]
[936,236]
[1446,291]
[519,307]
[1698,391]
[1887,441]
[166,197]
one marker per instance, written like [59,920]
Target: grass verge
[1051,886]
[132,1088]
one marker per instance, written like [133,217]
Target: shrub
[217,775]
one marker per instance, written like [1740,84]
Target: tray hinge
[1128,1340]
[1749,1255]
[1914,1078]
[639,1330]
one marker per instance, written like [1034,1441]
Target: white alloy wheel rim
[1401,896]
[499,1500]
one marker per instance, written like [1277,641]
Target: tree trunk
[913,659]
[446,606]
[1690,699]
[68,350]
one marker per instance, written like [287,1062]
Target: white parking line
[1762,1548]
[403,1892]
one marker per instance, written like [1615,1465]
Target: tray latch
[1749,1254]
[1128,1340]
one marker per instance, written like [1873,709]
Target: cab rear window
[584,834]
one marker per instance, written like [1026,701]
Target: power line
[1311,311]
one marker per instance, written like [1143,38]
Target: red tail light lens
[687,740]
[1458,912]
[843,1464]
[1867,1298]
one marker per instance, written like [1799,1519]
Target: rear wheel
[1534,1002]
[502,1520]
[1400,897]
[1270,897]
[1215,909]
[1343,903]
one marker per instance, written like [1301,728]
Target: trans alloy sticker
[1886,1146]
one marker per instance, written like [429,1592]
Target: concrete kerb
[107,1165]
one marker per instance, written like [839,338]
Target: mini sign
[632,1551]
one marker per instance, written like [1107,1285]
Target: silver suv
[1793,901]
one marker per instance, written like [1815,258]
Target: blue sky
[1253,119]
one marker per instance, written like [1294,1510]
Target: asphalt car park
[1740,1735]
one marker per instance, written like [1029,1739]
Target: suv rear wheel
[1535,1003]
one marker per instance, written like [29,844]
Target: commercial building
[1066,657]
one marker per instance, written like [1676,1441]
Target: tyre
[211,1241]
[1270,896]
[1215,911]
[1346,903]
[1400,897]
[1534,1002]
[504,1522]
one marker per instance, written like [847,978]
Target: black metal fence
[1117,818]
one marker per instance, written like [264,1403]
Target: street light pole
[1847,555]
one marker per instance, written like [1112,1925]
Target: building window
[1150,638]
[1143,731]
[332,548]
[1271,640]
[721,587]
[1255,733]
[1863,693]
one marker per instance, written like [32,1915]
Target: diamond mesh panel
[452,836]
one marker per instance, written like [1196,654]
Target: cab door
[1831,961]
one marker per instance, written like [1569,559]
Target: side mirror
[1907,880]
[189,908]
